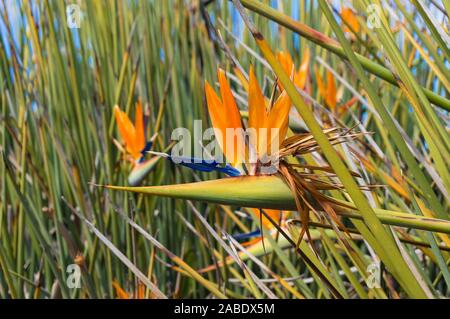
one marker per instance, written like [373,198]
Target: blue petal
[144,151]
[247,235]
[205,165]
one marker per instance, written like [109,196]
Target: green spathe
[248,191]
[271,192]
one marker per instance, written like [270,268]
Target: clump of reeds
[368,107]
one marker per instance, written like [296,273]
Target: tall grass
[58,87]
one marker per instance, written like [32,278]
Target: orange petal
[140,294]
[349,17]
[215,109]
[126,129]
[232,118]
[302,73]
[279,118]
[121,294]
[273,213]
[331,91]
[220,120]
[287,63]
[320,84]
[232,114]
[139,127]
[256,110]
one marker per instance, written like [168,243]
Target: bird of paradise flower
[306,182]
[136,144]
[302,180]
[263,117]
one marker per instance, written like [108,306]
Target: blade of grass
[155,290]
